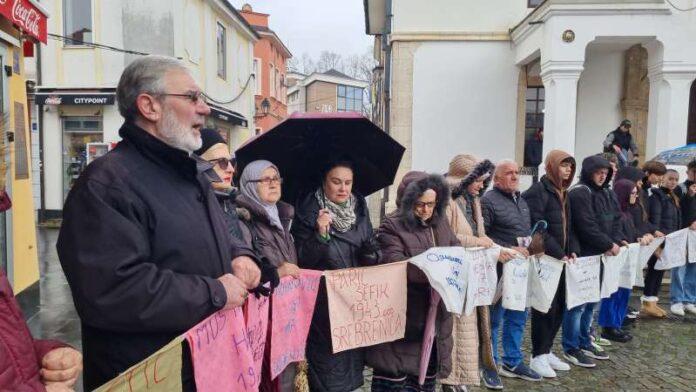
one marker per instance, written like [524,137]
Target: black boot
[615,335]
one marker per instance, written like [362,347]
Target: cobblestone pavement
[661,355]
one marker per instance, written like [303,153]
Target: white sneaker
[691,308]
[540,365]
[677,308]
[556,363]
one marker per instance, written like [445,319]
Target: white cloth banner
[582,281]
[612,269]
[482,277]
[647,250]
[447,269]
[627,275]
[691,246]
[515,284]
[544,276]
[674,253]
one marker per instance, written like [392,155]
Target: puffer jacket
[401,236]
[595,210]
[664,210]
[20,354]
[329,372]
[506,217]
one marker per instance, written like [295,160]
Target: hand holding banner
[612,269]
[544,276]
[647,250]
[674,253]
[582,281]
[447,269]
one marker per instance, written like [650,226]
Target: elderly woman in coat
[418,224]
[468,178]
[332,231]
[265,227]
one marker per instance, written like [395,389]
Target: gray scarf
[342,216]
[252,172]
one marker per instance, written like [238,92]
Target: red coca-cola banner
[25,15]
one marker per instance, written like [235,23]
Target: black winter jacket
[595,210]
[142,242]
[664,212]
[505,216]
[340,372]
[686,203]
[544,204]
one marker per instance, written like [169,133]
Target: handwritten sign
[482,277]
[428,335]
[222,353]
[515,284]
[544,275]
[647,250]
[582,281]
[627,273]
[256,315]
[160,372]
[612,270]
[292,307]
[367,306]
[674,253]
[691,244]
[447,270]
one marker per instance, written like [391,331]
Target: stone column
[634,104]
[668,113]
[560,80]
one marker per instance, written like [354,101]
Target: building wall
[481,99]
[600,90]
[268,54]
[321,97]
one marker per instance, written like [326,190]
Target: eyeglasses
[420,204]
[222,162]
[268,181]
[194,96]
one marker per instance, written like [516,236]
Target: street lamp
[265,106]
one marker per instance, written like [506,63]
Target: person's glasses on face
[422,205]
[223,163]
[268,181]
[195,97]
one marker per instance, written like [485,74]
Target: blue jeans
[512,322]
[683,287]
[576,327]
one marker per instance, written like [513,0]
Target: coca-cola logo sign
[25,15]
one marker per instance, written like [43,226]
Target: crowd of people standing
[155,238]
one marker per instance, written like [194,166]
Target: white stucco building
[92,41]
[470,76]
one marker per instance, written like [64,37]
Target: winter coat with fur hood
[401,236]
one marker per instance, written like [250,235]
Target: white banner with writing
[582,281]
[544,276]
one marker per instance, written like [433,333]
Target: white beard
[177,135]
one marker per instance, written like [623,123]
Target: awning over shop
[227,116]
[61,98]
[28,16]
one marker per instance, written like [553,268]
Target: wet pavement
[661,355]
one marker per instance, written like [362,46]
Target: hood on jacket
[412,186]
[592,164]
[630,173]
[482,168]
[623,188]
[553,162]
[249,209]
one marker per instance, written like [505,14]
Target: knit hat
[461,165]
[211,138]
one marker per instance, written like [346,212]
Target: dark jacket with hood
[664,210]
[401,236]
[273,244]
[142,244]
[634,175]
[228,204]
[632,215]
[596,214]
[548,201]
[340,372]
[686,203]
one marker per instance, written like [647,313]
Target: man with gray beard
[144,244]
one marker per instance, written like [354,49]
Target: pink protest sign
[292,306]
[428,335]
[222,354]
[256,314]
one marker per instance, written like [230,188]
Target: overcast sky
[314,25]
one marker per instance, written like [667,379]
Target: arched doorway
[691,129]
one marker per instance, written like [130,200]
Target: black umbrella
[305,143]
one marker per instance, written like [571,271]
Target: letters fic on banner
[292,307]
[582,281]
[544,277]
[515,284]
[447,270]
[674,253]
[160,372]
[367,306]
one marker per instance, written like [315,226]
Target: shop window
[77,133]
[534,125]
[221,51]
[77,21]
[349,99]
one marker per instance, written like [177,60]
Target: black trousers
[653,278]
[545,326]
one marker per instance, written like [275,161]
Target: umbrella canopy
[680,156]
[305,143]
